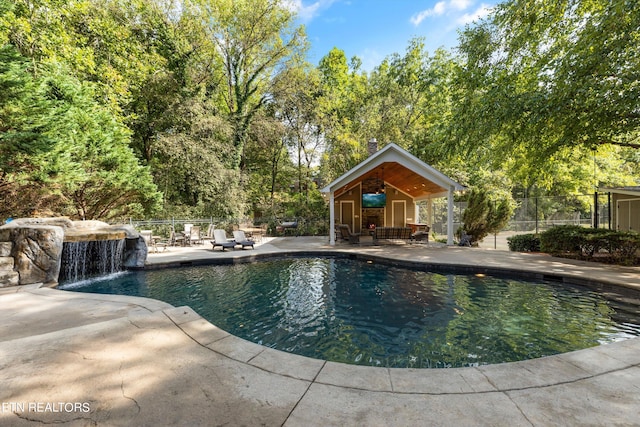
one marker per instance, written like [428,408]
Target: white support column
[332,219]
[450,216]
[430,212]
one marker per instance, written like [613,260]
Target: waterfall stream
[81,260]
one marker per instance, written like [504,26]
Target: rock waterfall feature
[46,250]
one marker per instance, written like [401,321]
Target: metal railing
[537,214]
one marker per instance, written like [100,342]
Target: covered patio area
[384,191]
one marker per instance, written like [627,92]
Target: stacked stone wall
[8,277]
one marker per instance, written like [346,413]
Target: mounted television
[373,200]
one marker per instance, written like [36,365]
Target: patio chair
[187,234]
[176,238]
[220,239]
[345,232]
[209,235]
[153,242]
[195,235]
[241,239]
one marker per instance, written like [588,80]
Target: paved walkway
[79,359]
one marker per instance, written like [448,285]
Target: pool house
[624,206]
[384,191]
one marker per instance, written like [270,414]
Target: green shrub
[573,240]
[562,239]
[485,214]
[524,243]
[594,240]
[624,247]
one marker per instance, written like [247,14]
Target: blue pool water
[364,313]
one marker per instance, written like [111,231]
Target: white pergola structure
[403,171]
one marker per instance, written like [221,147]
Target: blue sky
[374,29]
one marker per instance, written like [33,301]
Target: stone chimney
[372,146]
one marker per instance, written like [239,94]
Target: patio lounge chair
[345,232]
[241,239]
[220,239]
[209,235]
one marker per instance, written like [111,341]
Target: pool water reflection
[363,313]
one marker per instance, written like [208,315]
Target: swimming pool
[351,311]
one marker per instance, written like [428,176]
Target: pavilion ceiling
[400,177]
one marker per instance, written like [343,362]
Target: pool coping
[542,372]
[568,367]
[515,393]
[564,368]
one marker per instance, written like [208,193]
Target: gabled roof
[399,168]
[629,191]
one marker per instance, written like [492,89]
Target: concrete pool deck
[84,359]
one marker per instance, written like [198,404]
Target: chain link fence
[270,226]
[533,214]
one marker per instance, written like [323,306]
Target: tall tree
[542,75]
[295,97]
[268,162]
[61,152]
[339,110]
[410,100]
[254,39]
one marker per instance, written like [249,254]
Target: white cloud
[480,13]
[307,12]
[460,4]
[439,9]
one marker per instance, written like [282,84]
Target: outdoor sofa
[391,233]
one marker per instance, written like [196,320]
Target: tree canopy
[62,151]
[114,108]
[543,75]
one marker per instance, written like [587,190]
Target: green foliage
[215,99]
[624,247]
[589,243]
[485,215]
[63,153]
[192,169]
[561,239]
[539,76]
[524,243]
